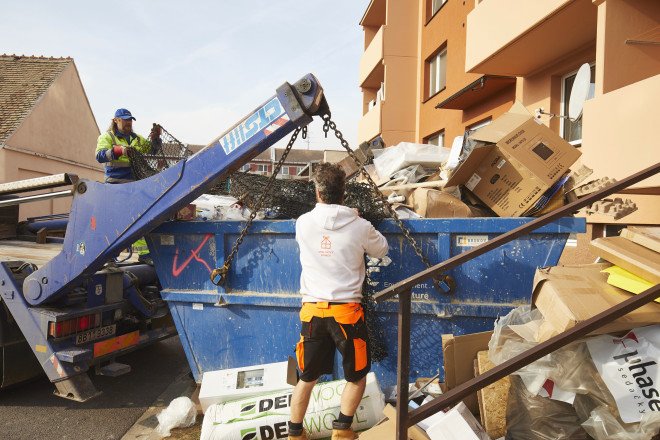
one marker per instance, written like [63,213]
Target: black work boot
[298,434]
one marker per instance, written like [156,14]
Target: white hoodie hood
[333,240]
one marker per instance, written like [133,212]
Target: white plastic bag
[392,159]
[180,413]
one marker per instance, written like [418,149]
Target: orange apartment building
[433,68]
[413,62]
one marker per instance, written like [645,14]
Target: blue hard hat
[124,114]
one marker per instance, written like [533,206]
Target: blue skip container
[254,319]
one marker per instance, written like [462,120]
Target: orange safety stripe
[300,354]
[360,346]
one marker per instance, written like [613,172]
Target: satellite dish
[579,92]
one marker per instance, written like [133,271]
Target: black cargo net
[164,154]
[290,198]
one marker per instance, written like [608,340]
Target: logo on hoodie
[326,247]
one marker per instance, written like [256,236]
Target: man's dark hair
[330,181]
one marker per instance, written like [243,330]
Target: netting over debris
[163,154]
[292,198]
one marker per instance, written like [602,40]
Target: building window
[284,171]
[434,6]
[572,130]
[245,168]
[437,139]
[437,72]
[261,168]
[299,170]
[477,125]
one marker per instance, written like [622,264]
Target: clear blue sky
[197,67]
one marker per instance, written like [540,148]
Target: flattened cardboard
[568,295]
[633,257]
[520,160]
[386,429]
[459,353]
[648,237]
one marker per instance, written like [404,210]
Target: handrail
[403,289]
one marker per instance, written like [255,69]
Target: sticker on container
[500,164]
[167,240]
[470,240]
[198,306]
[474,181]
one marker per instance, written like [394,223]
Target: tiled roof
[22,82]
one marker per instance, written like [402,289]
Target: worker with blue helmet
[113,149]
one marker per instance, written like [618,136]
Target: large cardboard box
[459,354]
[515,161]
[568,295]
[633,257]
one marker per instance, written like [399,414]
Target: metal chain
[328,125]
[222,272]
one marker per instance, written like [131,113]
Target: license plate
[94,334]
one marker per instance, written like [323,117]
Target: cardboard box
[386,428]
[648,237]
[457,424]
[459,353]
[431,203]
[188,212]
[567,295]
[633,257]
[237,383]
[515,161]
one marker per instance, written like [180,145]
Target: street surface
[31,411]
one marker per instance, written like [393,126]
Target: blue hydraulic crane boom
[106,219]
[76,310]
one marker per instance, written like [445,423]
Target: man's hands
[155,133]
[118,150]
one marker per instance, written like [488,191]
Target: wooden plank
[492,399]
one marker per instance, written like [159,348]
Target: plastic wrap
[180,413]
[404,154]
[532,417]
[603,425]
[569,371]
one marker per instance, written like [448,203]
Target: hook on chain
[219,275]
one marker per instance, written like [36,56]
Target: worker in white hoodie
[333,240]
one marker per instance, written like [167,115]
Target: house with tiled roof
[46,125]
[298,163]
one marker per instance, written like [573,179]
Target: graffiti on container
[194,254]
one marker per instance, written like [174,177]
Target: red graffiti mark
[92,223]
[176,271]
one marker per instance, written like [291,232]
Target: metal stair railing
[404,418]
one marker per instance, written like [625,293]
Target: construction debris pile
[601,387]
